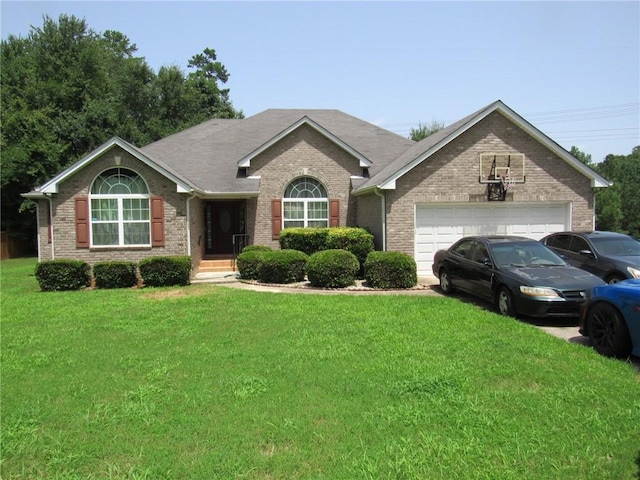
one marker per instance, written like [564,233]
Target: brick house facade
[223,180]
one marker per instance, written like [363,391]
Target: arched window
[119,200]
[305,204]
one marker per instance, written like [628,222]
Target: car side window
[462,249]
[578,244]
[480,253]
[563,242]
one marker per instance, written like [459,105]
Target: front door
[224,222]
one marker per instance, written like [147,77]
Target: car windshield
[521,254]
[620,246]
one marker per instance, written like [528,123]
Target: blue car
[610,316]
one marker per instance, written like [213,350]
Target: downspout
[383,211]
[189,223]
[49,226]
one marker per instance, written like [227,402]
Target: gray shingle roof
[208,154]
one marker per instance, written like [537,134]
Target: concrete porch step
[217,265]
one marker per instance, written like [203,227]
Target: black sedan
[609,255]
[517,274]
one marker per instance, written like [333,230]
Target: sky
[572,69]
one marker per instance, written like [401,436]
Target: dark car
[609,255]
[519,275]
[611,318]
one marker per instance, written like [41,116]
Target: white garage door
[438,227]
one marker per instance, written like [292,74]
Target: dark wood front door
[222,221]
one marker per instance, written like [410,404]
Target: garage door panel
[438,227]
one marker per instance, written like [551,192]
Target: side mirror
[487,262]
[587,253]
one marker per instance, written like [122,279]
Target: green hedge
[117,274]
[249,263]
[390,270]
[332,269]
[258,248]
[307,240]
[283,266]
[165,271]
[311,240]
[55,275]
[352,239]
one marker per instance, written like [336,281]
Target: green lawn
[210,382]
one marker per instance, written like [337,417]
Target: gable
[425,149]
[52,186]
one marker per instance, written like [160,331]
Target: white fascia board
[246,161]
[52,185]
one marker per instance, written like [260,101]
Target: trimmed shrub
[165,271]
[249,263]
[308,240]
[56,275]
[332,268]
[115,274]
[259,248]
[390,270]
[353,239]
[283,266]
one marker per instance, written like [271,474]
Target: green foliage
[258,248]
[165,271]
[332,268]
[55,275]
[355,240]
[390,270]
[618,207]
[249,263]
[311,240]
[422,131]
[116,274]
[307,240]
[283,266]
[66,89]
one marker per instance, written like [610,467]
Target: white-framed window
[305,204]
[119,208]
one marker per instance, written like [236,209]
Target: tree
[66,89]
[583,157]
[624,172]
[423,131]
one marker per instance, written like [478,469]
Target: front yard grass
[209,382]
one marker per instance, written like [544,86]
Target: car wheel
[608,331]
[615,278]
[445,281]
[504,302]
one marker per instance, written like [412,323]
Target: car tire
[615,278]
[504,302]
[445,282]
[608,331]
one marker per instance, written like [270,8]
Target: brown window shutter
[334,213]
[82,222]
[276,218]
[157,222]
